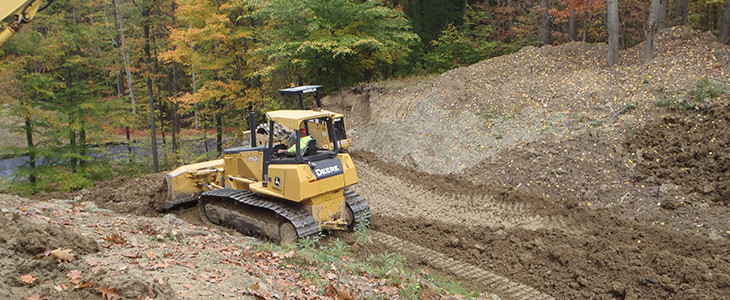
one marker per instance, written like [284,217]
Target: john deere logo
[277,181]
[327,168]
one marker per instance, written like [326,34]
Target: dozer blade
[176,197]
[186,183]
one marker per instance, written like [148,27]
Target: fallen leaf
[109,293]
[63,254]
[187,264]
[28,278]
[60,287]
[160,265]
[132,255]
[344,293]
[255,286]
[75,276]
[85,285]
[94,262]
[35,296]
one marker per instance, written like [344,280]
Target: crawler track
[304,223]
[499,285]
[359,206]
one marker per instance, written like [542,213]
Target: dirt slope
[473,113]
[559,247]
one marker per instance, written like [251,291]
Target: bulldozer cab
[311,94]
[320,127]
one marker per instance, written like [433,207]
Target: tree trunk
[82,142]
[662,16]
[31,150]
[682,7]
[573,26]
[547,34]
[219,127]
[175,93]
[72,140]
[148,55]
[120,90]
[651,30]
[195,89]
[125,54]
[613,31]
[488,12]
[175,120]
[724,35]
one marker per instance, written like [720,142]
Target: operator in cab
[303,141]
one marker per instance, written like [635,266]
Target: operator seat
[311,148]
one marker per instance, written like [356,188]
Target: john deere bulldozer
[281,195]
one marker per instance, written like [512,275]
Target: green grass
[704,94]
[335,257]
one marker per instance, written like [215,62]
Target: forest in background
[84,69]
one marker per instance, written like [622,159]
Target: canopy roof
[292,118]
[298,90]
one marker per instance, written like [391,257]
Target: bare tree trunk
[488,11]
[195,89]
[125,54]
[573,26]
[546,32]
[148,56]
[662,17]
[219,126]
[175,119]
[120,90]
[651,30]
[31,149]
[682,7]
[82,141]
[613,31]
[724,35]
[72,140]
[175,93]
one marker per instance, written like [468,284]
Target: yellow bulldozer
[282,195]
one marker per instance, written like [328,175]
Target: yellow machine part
[185,183]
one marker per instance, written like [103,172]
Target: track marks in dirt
[499,285]
[394,196]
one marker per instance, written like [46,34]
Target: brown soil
[25,247]
[689,151]
[137,196]
[591,254]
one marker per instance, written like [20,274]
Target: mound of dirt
[30,265]
[31,239]
[136,196]
[691,152]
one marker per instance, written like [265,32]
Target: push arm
[18,12]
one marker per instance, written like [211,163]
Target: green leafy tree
[331,42]
[473,41]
